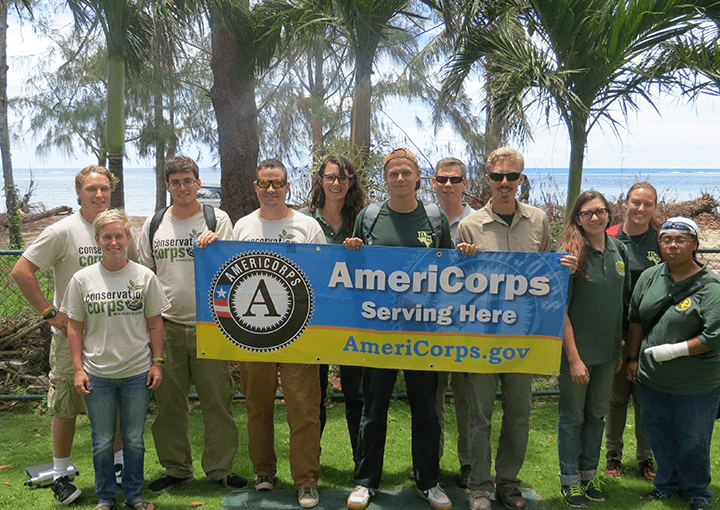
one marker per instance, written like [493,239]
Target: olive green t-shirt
[595,306]
[411,229]
[697,316]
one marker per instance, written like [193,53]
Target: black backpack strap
[369,218]
[432,211]
[210,220]
[155,223]
[678,297]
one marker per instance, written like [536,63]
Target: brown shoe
[647,470]
[511,497]
[479,500]
[613,467]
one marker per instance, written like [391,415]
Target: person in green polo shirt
[679,363]
[336,198]
[591,346]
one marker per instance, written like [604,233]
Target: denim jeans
[581,422]
[680,428]
[377,388]
[130,396]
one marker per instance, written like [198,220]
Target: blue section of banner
[409,289]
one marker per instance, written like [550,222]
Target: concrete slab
[335,499]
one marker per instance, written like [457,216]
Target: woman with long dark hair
[336,198]
[591,346]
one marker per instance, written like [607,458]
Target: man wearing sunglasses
[276,222]
[169,252]
[449,183]
[504,224]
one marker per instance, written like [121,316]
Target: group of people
[106,306]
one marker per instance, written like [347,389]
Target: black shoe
[169,482]
[232,480]
[511,498]
[574,496]
[118,474]
[700,504]
[464,476]
[656,495]
[592,492]
[65,491]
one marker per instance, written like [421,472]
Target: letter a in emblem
[266,301]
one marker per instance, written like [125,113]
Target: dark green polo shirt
[643,252]
[697,316]
[330,235]
[595,306]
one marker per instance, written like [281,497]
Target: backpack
[373,211]
[208,212]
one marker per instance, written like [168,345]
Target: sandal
[140,504]
[104,506]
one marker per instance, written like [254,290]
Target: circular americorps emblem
[261,301]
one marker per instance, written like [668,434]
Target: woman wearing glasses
[639,233]
[336,198]
[675,334]
[591,346]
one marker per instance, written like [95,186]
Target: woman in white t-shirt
[112,306]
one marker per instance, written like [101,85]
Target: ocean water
[55,187]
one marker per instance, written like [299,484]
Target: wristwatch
[631,359]
[52,312]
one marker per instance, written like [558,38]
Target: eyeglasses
[178,184]
[455,179]
[600,213]
[342,179]
[276,183]
[499,176]
[680,241]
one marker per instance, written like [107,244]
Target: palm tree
[365,24]
[128,33]
[580,58]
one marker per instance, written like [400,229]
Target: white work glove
[667,352]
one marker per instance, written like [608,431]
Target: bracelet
[46,310]
[157,364]
[632,359]
[161,361]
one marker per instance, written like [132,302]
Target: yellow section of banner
[411,350]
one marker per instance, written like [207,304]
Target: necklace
[640,240]
[334,224]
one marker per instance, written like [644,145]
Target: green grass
[25,440]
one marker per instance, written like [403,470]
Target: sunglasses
[499,176]
[276,183]
[442,179]
[671,225]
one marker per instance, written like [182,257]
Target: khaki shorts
[63,400]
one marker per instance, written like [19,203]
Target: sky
[678,135]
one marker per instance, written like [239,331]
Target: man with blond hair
[66,246]
[402,220]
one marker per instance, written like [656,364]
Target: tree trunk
[159,119]
[233,98]
[15,232]
[578,141]
[115,127]
[361,110]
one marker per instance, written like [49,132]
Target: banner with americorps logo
[389,307]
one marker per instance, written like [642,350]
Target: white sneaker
[359,498]
[437,498]
[308,497]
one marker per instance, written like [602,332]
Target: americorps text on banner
[387,307]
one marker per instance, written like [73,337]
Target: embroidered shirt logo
[683,305]
[425,238]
